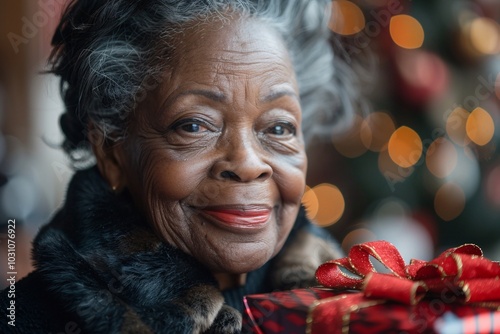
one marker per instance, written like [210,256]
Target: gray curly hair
[109,54]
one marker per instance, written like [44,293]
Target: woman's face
[215,155]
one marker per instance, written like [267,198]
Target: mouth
[241,217]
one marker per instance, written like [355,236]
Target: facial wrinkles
[239,131]
[235,56]
[262,60]
[233,245]
[173,172]
[147,153]
[257,71]
[154,150]
[221,247]
[180,238]
[258,246]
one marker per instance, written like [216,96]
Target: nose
[243,160]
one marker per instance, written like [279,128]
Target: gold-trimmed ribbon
[462,270]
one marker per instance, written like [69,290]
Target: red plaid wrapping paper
[458,292]
[291,312]
[280,312]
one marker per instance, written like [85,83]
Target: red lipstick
[248,218]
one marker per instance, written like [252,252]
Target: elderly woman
[189,116]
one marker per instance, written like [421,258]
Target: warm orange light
[405,147]
[389,170]
[485,35]
[358,236]
[480,127]
[310,202]
[331,204]
[350,143]
[455,126]
[376,130]
[347,18]
[406,31]
[449,201]
[441,158]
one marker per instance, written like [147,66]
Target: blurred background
[421,169]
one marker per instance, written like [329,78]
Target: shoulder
[31,308]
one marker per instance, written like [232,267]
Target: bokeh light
[391,207]
[347,18]
[405,147]
[428,221]
[17,198]
[357,236]
[310,202]
[376,130]
[406,31]
[455,126]
[410,237]
[390,170]
[480,127]
[331,204]
[449,201]
[441,157]
[424,75]
[485,35]
[467,173]
[351,144]
[492,186]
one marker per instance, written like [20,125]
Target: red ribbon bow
[462,271]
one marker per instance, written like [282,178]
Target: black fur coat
[100,269]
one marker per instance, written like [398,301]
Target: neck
[228,281]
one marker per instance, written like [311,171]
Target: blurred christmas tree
[422,169]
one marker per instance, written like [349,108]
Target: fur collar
[104,265]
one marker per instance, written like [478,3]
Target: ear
[109,158]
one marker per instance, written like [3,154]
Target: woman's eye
[192,127]
[282,130]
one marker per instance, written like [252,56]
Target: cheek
[290,176]
[154,175]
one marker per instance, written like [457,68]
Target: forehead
[235,46]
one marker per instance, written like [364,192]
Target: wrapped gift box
[458,292]
[281,312]
[317,310]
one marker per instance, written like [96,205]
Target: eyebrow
[212,95]
[220,97]
[278,94]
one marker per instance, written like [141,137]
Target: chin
[246,268]
[247,261]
